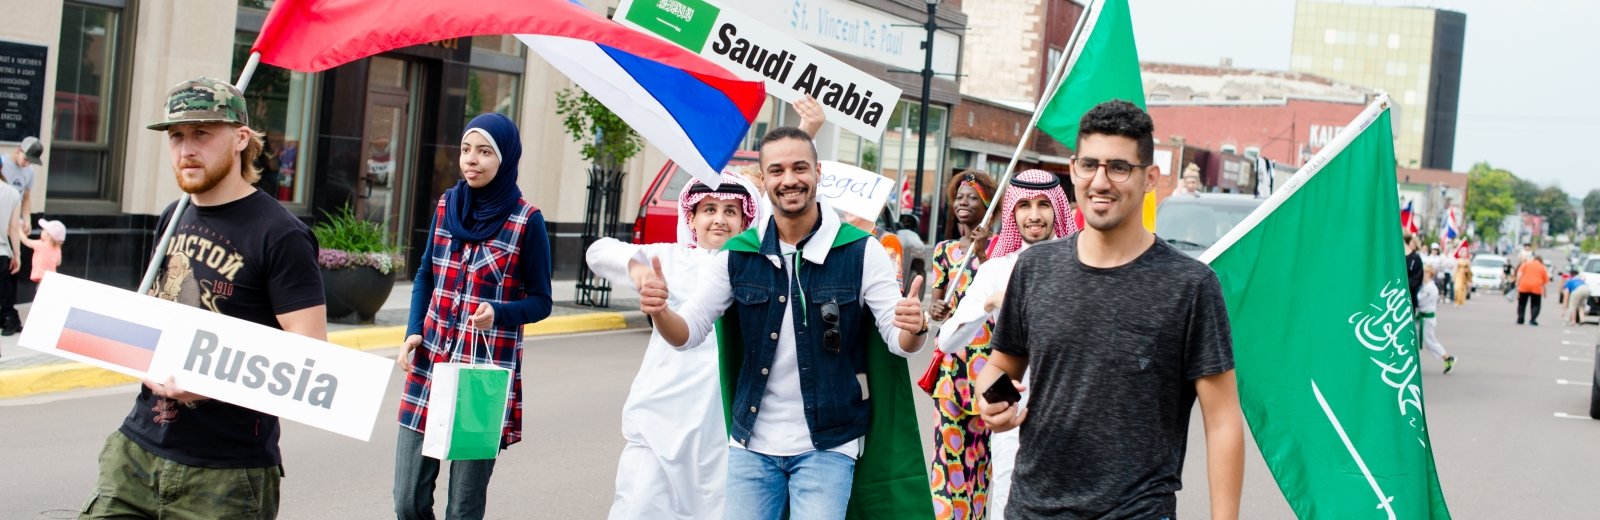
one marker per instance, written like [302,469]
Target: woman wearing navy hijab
[485,273]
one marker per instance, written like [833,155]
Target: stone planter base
[355,294]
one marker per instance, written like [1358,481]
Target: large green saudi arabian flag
[1329,375]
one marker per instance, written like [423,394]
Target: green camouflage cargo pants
[135,483]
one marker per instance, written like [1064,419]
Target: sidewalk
[25,372]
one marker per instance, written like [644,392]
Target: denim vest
[834,408]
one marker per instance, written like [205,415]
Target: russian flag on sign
[109,339]
[694,110]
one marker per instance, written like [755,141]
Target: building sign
[1320,135]
[311,382]
[21,89]
[850,98]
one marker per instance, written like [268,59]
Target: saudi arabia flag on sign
[1329,373]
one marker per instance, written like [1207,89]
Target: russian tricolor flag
[109,339]
[692,109]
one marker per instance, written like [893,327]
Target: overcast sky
[1530,82]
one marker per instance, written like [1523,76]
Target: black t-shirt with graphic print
[249,259]
[1113,355]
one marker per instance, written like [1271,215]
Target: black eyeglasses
[1116,170]
[830,317]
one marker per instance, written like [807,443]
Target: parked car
[1488,272]
[1193,223]
[658,208]
[1590,271]
[657,219]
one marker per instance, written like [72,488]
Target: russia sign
[312,382]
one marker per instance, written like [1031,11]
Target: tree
[1553,204]
[1526,193]
[607,140]
[1492,198]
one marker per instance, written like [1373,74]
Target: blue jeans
[414,475]
[814,484]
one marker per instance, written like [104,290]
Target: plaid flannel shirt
[465,274]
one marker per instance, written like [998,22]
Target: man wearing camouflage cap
[178,454]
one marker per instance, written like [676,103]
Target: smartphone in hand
[1002,390]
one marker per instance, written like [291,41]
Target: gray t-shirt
[9,201]
[18,177]
[1113,355]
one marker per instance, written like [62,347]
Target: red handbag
[930,377]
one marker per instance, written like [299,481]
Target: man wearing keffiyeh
[971,469]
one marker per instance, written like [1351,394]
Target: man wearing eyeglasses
[803,295]
[1119,334]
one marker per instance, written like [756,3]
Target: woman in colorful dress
[959,477]
[675,463]
[485,273]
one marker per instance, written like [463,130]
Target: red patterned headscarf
[734,187]
[1027,185]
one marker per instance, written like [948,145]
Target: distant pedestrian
[1427,306]
[1578,293]
[1413,266]
[1531,279]
[46,249]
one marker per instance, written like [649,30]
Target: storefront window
[489,91]
[85,75]
[281,106]
[501,43]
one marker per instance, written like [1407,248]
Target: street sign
[850,98]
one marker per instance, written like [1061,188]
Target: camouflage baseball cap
[204,100]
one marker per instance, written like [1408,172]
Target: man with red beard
[178,454]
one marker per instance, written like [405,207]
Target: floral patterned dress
[959,478]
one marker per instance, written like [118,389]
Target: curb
[61,377]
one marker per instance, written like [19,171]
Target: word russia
[207,357]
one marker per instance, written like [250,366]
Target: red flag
[315,35]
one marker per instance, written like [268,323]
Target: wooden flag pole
[160,254]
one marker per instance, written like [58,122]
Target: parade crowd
[775,384]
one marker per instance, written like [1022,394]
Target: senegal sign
[261,368]
[849,97]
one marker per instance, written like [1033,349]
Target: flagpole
[160,253]
[1022,144]
[1368,115]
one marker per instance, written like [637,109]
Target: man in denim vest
[802,293]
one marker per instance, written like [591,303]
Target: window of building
[282,106]
[81,155]
[1199,99]
[489,91]
[1252,152]
[1159,97]
[1229,149]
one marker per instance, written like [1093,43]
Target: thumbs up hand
[908,314]
[653,292]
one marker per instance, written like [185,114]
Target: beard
[214,174]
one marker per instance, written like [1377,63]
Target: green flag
[1329,372]
[1104,66]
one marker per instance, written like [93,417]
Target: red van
[658,209]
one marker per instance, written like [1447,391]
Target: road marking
[1560,415]
[1573,343]
[1571,383]
[1577,359]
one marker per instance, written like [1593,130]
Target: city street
[1510,428]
